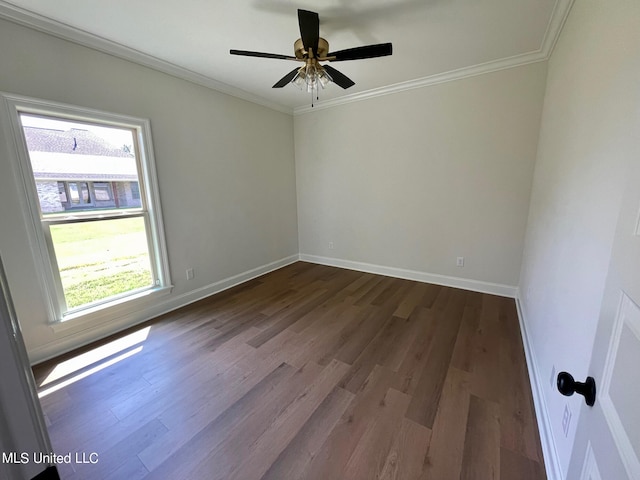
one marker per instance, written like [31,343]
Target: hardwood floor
[309,372]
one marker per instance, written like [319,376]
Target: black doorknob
[568,386]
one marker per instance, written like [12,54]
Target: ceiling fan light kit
[312,49]
[310,77]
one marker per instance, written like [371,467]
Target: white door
[607,445]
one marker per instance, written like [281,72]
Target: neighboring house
[76,169]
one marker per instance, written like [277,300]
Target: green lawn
[101,259]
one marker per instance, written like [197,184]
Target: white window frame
[11,106]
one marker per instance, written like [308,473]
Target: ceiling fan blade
[286,79]
[309,23]
[339,78]
[359,53]
[247,53]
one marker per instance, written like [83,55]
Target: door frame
[21,419]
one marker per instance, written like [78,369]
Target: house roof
[77,155]
[72,142]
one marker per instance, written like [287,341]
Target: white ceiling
[431,38]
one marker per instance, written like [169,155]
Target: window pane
[102,258]
[135,191]
[102,191]
[62,192]
[73,193]
[85,192]
[78,154]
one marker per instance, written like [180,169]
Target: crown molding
[444,77]
[46,25]
[554,27]
[558,17]
[43,24]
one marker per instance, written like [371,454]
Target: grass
[101,259]
[100,288]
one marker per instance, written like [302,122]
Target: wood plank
[71,435]
[369,457]
[345,436]
[266,449]
[416,357]
[195,374]
[481,459]
[372,282]
[110,462]
[435,296]
[131,469]
[293,460]
[352,325]
[392,293]
[369,329]
[178,458]
[320,316]
[426,395]
[446,449]
[513,465]
[462,357]
[242,392]
[377,290]
[411,300]
[408,453]
[321,337]
[310,302]
[392,335]
[486,351]
[246,384]
[518,423]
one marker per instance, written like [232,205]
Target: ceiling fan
[313,49]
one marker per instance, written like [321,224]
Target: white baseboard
[217,287]
[92,332]
[456,282]
[549,451]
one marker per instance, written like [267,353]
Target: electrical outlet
[566,420]
[330,245]
[189,273]
[460,262]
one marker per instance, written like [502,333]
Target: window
[102,191]
[135,191]
[79,191]
[90,185]
[62,192]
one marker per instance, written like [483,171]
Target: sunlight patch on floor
[80,376]
[96,355]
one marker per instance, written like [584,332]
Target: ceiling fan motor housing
[301,53]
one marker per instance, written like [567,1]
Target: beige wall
[225,168]
[409,181]
[589,134]
[415,179]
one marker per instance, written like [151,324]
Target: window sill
[112,311]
